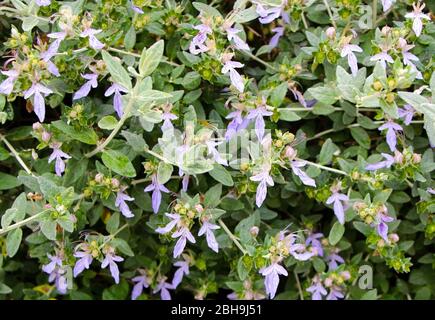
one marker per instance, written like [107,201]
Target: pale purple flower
[296,165]
[381,226]
[386,4]
[59,155]
[391,128]
[333,260]
[300,97]
[235,77]
[387,163]
[337,199]
[183,234]
[121,197]
[279,31]
[211,150]
[348,50]
[236,125]
[136,8]
[183,269]
[85,259]
[417,16]
[7,85]
[116,89]
[175,219]
[38,91]
[317,290]
[406,113]
[110,260]
[185,179]
[207,229]
[43,3]
[313,239]
[297,250]
[48,54]
[86,87]
[267,15]
[157,190]
[141,282]
[257,115]
[335,293]
[271,274]
[265,179]
[167,117]
[431,190]
[94,43]
[57,273]
[232,35]
[59,36]
[383,57]
[163,287]
[197,45]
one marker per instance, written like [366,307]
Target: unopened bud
[330,32]
[46,136]
[37,126]
[416,158]
[115,183]
[345,275]
[99,177]
[254,231]
[394,237]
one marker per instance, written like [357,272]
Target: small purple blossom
[157,189]
[417,16]
[335,293]
[7,85]
[86,87]
[267,15]
[381,226]
[136,8]
[387,163]
[392,129]
[85,258]
[333,260]
[279,32]
[296,165]
[38,91]
[348,50]
[110,260]
[235,77]
[94,43]
[383,57]
[232,35]
[116,89]
[337,200]
[167,117]
[386,4]
[57,273]
[257,115]
[271,274]
[175,220]
[197,45]
[183,269]
[163,287]
[43,3]
[207,229]
[316,289]
[59,155]
[236,125]
[183,234]
[265,180]
[313,240]
[141,282]
[406,113]
[300,97]
[211,149]
[121,197]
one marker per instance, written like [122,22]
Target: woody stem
[232,236]
[16,155]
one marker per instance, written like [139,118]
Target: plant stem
[330,13]
[298,284]
[374,13]
[116,129]
[22,223]
[266,64]
[157,155]
[16,155]
[323,167]
[232,236]
[110,237]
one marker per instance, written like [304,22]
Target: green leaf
[150,58]
[108,123]
[117,71]
[204,8]
[370,295]
[4,289]
[361,136]
[336,233]
[220,174]
[136,141]
[327,152]
[278,94]
[213,196]
[148,96]
[85,135]
[123,246]
[113,223]
[286,114]
[324,95]
[13,241]
[119,163]
[164,172]
[130,38]
[8,181]
[48,228]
